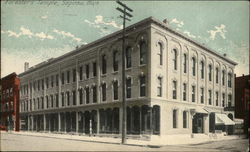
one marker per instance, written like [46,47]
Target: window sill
[104,75]
[142,65]
[128,69]
[115,72]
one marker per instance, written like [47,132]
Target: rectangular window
[38,85]
[174,118]
[143,53]
[193,93]
[57,100]
[160,53]
[217,75]
[94,69]
[209,97]
[68,76]
[217,98]
[128,87]
[223,77]
[68,98]
[74,75]
[223,99]
[202,95]
[184,92]
[104,92]
[87,71]
[87,95]
[74,97]
[51,101]
[57,80]
[184,119]
[47,102]
[115,61]
[115,90]
[47,82]
[185,63]
[229,100]
[80,96]
[62,97]
[159,87]
[62,77]
[202,69]
[42,99]
[210,72]
[229,80]
[142,86]
[193,66]
[80,73]
[104,64]
[94,94]
[42,85]
[174,90]
[128,57]
[175,59]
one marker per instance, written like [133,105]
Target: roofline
[11,74]
[117,33]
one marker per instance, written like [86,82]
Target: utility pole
[124,110]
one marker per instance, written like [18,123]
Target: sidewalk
[156,141]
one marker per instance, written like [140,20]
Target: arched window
[104,92]
[142,86]
[128,57]
[174,89]
[115,90]
[223,77]
[115,61]
[143,52]
[193,93]
[202,95]
[185,119]
[185,63]
[87,95]
[175,59]
[104,64]
[210,72]
[217,98]
[94,89]
[217,75]
[184,92]
[160,53]
[229,80]
[193,66]
[128,87]
[202,69]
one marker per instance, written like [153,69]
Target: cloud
[178,23]
[189,34]
[67,34]
[99,20]
[44,17]
[218,29]
[28,33]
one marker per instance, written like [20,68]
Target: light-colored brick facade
[163,68]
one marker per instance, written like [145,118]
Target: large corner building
[174,85]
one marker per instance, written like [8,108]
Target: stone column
[44,122]
[98,121]
[77,122]
[120,120]
[206,124]
[59,122]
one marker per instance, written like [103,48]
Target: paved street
[22,142]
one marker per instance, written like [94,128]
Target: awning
[199,110]
[222,119]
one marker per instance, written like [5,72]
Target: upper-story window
[128,87]
[42,100]
[174,89]
[87,70]
[68,76]
[94,69]
[87,95]
[104,64]
[217,98]
[193,93]
[209,97]
[80,94]
[229,100]
[142,86]
[217,75]
[229,80]
[38,85]
[184,96]
[143,52]
[52,81]
[67,98]
[202,95]
[74,97]
[115,90]
[175,59]
[223,99]
[210,72]
[128,57]
[62,98]
[51,101]
[185,63]
[115,60]
[74,75]
[57,100]
[47,102]
[159,87]
[80,72]
[160,53]
[193,66]
[104,92]
[57,80]
[94,88]
[202,69]
[62,77]
[47,82]
[185,119]
[174,118]
[223,77]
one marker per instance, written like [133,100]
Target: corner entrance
[198,125]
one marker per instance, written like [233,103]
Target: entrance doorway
[198,126]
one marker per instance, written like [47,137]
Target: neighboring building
[242,99]
[174,85]
[10,102]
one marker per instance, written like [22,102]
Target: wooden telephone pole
[125,17]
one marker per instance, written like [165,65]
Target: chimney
[165,21]
[26,66]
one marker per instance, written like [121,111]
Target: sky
[34,31]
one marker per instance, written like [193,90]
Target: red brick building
[242,99]
[9,107]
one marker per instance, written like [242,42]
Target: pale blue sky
[36,31]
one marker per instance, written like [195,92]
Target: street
[22,142]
